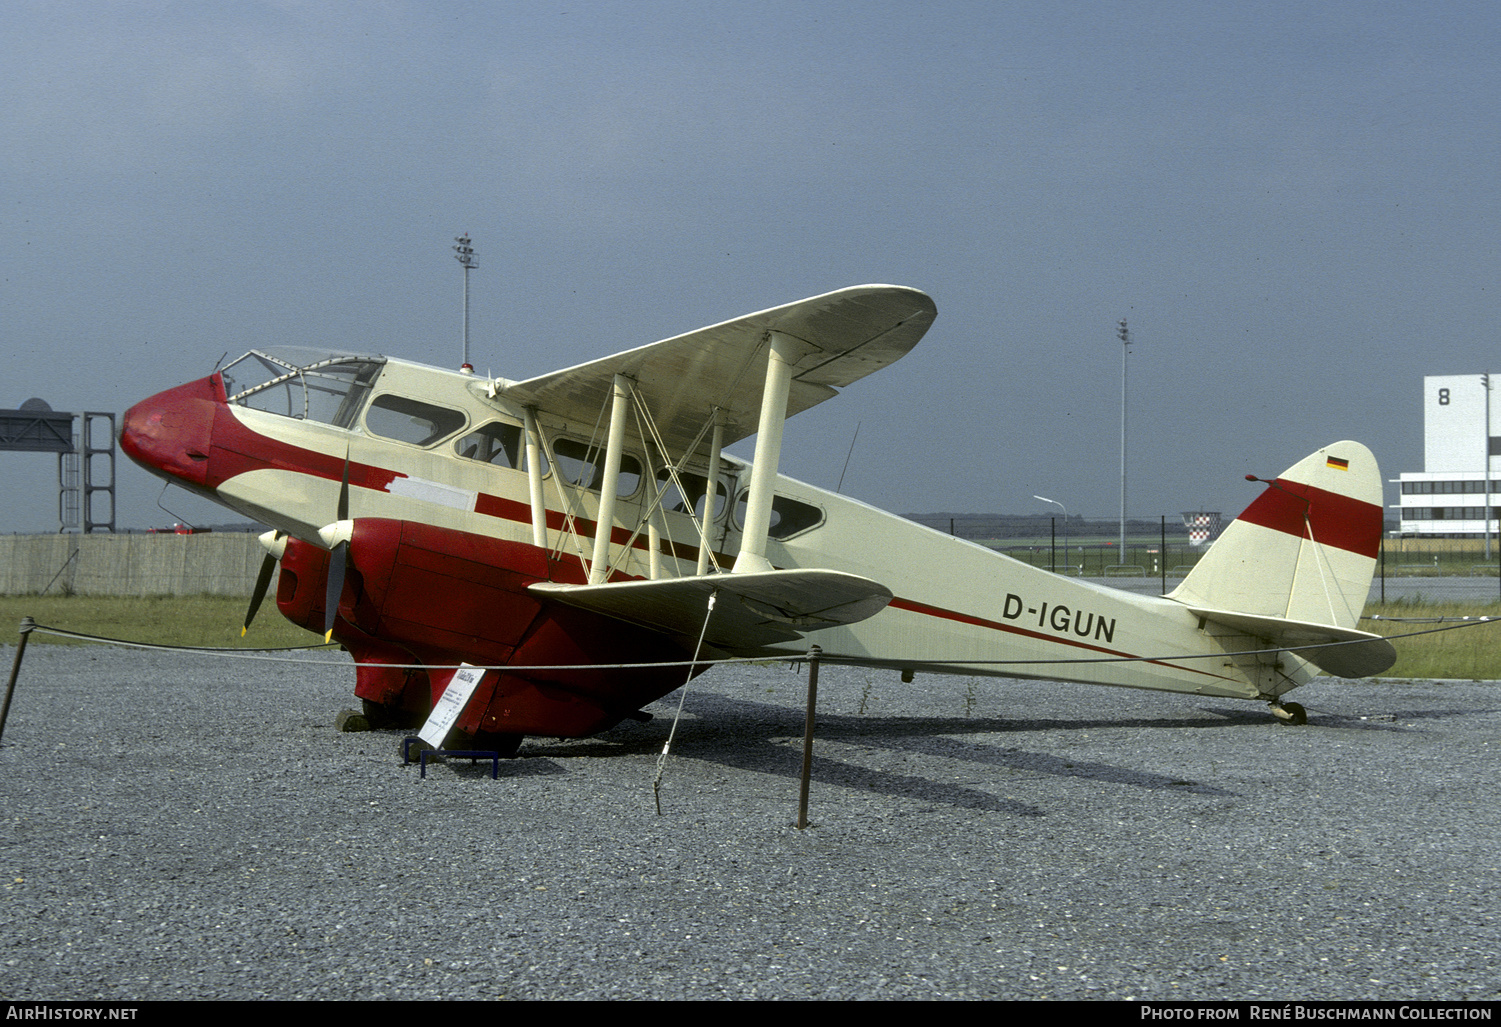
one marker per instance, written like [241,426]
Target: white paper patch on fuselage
[433,492]
[448,707]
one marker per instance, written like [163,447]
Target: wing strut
[784,352]
[599,567]
[534,479]
[711,497]
[566,504]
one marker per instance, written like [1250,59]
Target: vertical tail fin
[1304,550]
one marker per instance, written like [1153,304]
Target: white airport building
[1449,497]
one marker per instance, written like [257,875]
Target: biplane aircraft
[576,530]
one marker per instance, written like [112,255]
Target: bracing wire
[656,785]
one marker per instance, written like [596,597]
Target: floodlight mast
[1485,512]
[464,254]
[1124,336]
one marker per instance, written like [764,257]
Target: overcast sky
[1294,205]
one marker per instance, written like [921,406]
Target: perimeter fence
[1081,547]
[1157,555]
[144,564]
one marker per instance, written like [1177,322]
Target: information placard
[448,707]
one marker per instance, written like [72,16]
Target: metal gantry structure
[85,460]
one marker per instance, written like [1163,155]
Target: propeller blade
[262,582]
[336,560]
[344,490]
[338,555]
[275,545]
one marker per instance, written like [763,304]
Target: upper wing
[847,335]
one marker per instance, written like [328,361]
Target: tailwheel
[1290,713]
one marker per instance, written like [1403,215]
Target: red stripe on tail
[1337,520]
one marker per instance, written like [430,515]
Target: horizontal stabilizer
[1343,652]
[752,610]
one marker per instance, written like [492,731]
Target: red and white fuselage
[473,511]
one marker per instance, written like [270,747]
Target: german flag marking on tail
[1337,464]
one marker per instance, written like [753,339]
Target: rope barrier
[257,654]
[1427,620]
[790,658]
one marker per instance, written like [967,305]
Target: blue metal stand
[470,754]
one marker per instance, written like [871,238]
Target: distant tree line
[1021,526]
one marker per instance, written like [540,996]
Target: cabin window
[697,486]
[788,516]
[496,443]
[305,385]
[582,464]
[411,420]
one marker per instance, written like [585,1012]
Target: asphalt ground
[184,827]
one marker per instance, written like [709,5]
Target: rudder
[1305,549]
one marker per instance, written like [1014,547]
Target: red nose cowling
[169,433]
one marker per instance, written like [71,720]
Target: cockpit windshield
[308,384]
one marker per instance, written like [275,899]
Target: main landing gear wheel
[506,745]
[1290,713]
[383,716]
[378,714]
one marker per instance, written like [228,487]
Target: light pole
[1125,337]
[1485,515]
[1060,506]
[464,254]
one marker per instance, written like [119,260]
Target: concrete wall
[129,565]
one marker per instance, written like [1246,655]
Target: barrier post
[15,669]
[802,802]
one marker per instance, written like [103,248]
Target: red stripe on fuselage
[521,513]
[940,613]
[238,449]
[1337,520]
